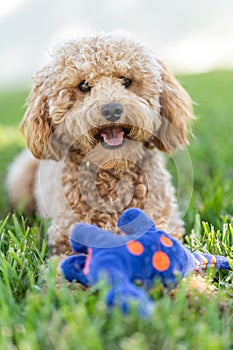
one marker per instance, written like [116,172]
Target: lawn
[37,313]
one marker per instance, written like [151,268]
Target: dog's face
[109,93]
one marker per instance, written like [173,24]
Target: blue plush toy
[144,254]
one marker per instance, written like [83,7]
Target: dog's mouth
[112,137]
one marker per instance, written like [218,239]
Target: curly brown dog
[99,116]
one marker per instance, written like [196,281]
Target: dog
[99,117]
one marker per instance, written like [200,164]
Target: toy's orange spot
[166,241]
[88,260]
[135,247]
[160,261]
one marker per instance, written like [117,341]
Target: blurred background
[191,36]
[195,38]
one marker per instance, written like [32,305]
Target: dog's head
[105,92]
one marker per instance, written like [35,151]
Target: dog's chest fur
[99,196]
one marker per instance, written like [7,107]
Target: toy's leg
[206,261]
[124,294]
[199,263]
[72,268]
[222,263]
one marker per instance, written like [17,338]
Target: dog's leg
[20,181]
[58,237]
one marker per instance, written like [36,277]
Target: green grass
[38,313]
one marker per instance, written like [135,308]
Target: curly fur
[78,179]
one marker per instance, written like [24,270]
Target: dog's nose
[112,111]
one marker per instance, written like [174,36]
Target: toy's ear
[72,268]
[87,235]
[37,125]
[135,221]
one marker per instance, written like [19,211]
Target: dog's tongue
[113,136]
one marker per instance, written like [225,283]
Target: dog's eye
[126,81]
[84,86]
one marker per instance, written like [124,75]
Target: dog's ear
[36,124]
[176,113]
